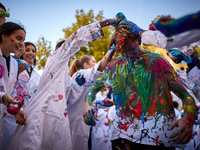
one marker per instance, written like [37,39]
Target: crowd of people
[117,103]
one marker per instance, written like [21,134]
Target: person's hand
[2,18]
[184,132]
[7,99]
[131,27]
[111,51]
[90,115]
[112,22]
[21,118]
[176,52]
[21,68]
[195,61]
[106,102]
[20,52]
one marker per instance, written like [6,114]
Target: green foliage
[97,48]
[43,52]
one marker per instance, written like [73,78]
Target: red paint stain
[60,96]
[157,140]
[12,40]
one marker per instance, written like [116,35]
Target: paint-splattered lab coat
[6,85]
[26,85]
[143,102]
[79,130]
[47,122]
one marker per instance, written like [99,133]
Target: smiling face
[13,42]
[29,54]
[91,63]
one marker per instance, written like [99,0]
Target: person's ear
[84,65]
[4,36]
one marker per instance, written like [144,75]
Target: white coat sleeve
[80,38]
[157,38]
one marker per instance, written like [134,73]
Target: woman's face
[91,63]
[14,42]
[29,54]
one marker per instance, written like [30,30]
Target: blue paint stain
[142,119]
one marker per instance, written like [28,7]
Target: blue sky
[48,17]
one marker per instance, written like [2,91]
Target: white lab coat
[101,132]
[79,130]
[47,123]
[31,84]
[157,38]
[6,86]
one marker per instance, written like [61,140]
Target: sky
[47,18]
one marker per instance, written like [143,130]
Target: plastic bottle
[14,108]
[6,14]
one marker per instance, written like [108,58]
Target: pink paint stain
[65,113]
[12,40]
[2,71]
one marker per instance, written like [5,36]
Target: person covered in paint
[141,83]
[12,38]
[25,86]
[84,72]
[47,120]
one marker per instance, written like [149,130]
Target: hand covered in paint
[184,132]
[176,53]
[90,115]
[7,99]
[131,27]
[21,118]
[80,80]
[111,22]
[106,102]
[2,18]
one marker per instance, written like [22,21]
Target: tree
[43,52]
[96,48]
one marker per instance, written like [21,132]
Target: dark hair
[29,43]
[59,44]
[2,6]
[77,64]
[175,104]
[8,28]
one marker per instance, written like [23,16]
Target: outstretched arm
[185,124]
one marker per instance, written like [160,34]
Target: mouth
[18,47]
